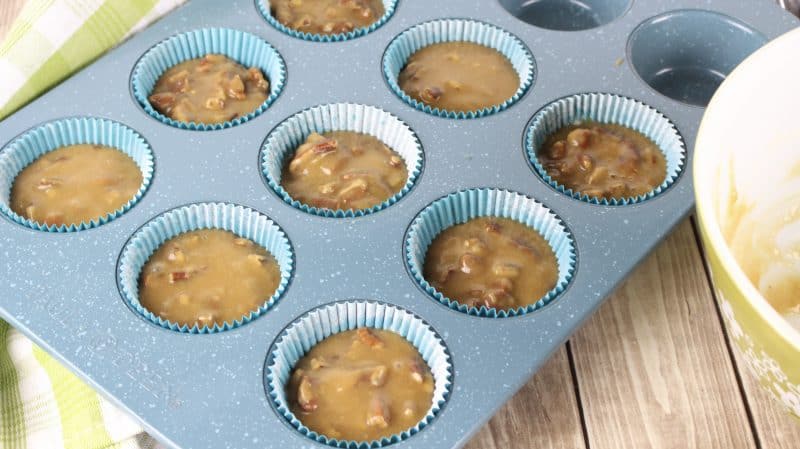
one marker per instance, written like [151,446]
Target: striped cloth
[42,404]
[51,39]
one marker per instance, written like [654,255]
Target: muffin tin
[212,390]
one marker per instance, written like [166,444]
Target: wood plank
[652,366]
[9,9]
[774,428]
[543,414]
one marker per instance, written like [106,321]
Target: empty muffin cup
[606,109]
[686,54]
[461,207]
[239,220]
[567,15]
[31,145]
[282,143]
[244,48]
[458,30]
[318,324]
[265,8]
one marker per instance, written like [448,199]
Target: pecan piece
[497,298]
[378,376]
[417,371]
[409,409]
[236,88]
[257,76]
[162,101]
[47,183]
[176,276]
[493,227]
[585,162]
[306,398]
[378,413]
[469,263]
[354,190]
[579,137]
[599,174]
[367,337]
[176,255]
[318,363]
[431,94]
[214,57]
[215,103]
[327,146]
[240,241]
[506,270]
[558,150]
[256,259]
[475,246]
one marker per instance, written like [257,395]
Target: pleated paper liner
[453,30]
[389,7]
[50,136]
[313,327]
[606,108]
[240,220]
[460,207]
[244,48]
[283,141]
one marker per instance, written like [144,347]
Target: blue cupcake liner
[606,108]
[247,49]
[313,327]
[452,30]
[460,207]
[389,7]
[240,220]
[283,141]
[50,136]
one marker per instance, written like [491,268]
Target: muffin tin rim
[199,126]
[671,12]
[619,16]
[482,312]
[32,226]
[339,214]
[526,86]
[322,38]
[204,331]
[269,361]
[614,203]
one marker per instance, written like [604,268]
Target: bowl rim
[702,165]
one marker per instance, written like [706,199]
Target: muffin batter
[74,184]
[603,160]
[207,276]
[494,262]
[211,89]
[344,170]
[459,76]
[327,16]
[361,385]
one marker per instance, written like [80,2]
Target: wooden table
[653,368]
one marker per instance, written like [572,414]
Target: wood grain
[652,366]
[543,414]
[774,428]
[9,9]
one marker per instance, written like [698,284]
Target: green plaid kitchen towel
[51,39]
[42,404]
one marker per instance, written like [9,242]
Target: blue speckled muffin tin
[210,390]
